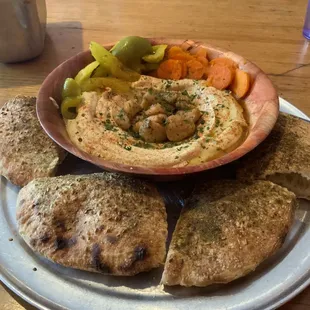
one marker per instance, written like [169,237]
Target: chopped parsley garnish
[144,145]
[121,114]
[108,126]
[168,84]
[127,147]
[185,93]
[192,97]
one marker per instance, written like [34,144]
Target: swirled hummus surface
[126,128]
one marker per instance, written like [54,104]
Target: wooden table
[267,32]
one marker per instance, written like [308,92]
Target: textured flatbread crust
[26,152]
[226,230]
[283,158]
[103,222]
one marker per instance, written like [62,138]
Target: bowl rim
[261,131]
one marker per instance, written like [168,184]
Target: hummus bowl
[260,106]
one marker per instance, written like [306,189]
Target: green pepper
[71,88]
[100,71]
[69,107]
[157,55]
[112,64]
[130,50]
[116,85]
[86,72]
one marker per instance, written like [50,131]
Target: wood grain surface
[267,32]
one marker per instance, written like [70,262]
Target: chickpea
[147,100]
[120,117]
[192,115]
[169,97]
[152,131]
[155,109]
[159,118]
[179,128]
[132,108]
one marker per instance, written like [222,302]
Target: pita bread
[26,152]
[283,158]
[226,230]
[101,222]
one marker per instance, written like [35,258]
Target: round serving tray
[50,286]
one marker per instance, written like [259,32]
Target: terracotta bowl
[261,105]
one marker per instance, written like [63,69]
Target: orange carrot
[184,70]
[195,69]
[204,61]
[170,69]
[223,61]
[199,52]
[241,83]
[220,76]
[175,52]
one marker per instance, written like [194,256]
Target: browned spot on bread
[60,224]
[139,253]
[96,260]
[60,243]
[45,238]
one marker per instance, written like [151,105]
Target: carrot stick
[220,76]
[241,83]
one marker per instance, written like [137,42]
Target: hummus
[221,126]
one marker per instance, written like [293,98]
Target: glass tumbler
[22,29]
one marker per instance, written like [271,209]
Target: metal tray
[50,286]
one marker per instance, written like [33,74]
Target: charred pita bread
[226,230]
[283,158]
[104,222]
[26,152]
